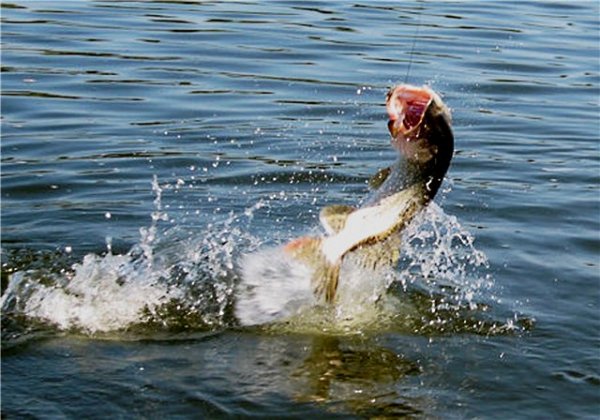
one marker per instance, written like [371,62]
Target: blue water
[147,146]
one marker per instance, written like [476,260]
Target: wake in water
[224,277]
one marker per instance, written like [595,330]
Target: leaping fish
[420,128]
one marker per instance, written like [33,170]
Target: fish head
[420,124]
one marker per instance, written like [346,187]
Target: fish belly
[371,224]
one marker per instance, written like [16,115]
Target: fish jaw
[407,107]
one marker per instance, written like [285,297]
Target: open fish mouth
[406,106]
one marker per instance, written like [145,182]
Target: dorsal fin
[380,177]
[333,218]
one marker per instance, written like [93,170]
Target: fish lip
[406,106]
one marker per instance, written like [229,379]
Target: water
[153,152]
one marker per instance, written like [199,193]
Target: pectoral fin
[379,178]
[333,218]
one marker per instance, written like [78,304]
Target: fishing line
[412,48]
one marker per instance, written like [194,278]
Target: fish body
[420,128]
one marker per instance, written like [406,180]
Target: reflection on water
[356,375]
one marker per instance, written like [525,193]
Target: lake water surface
[153,151]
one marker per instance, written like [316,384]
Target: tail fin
[325,280]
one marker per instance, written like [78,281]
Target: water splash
[442,280]
[439,254]
[148,235]
[273,287]
[99,294]
[222,276]
[169,280]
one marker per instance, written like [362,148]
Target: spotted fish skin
[420,126]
